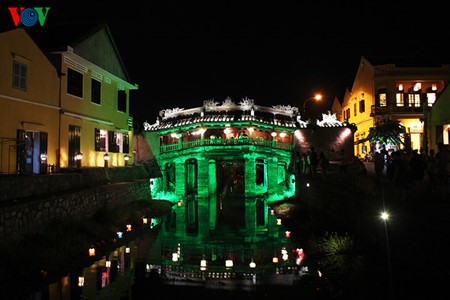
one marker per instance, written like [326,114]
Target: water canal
[178,256]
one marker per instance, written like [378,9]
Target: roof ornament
[246,103]
[329,120]
[210,103]
[167,113]
[291,110]
[228,103]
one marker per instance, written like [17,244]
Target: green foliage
[333,244]
[386,132]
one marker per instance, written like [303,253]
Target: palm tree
[387,132]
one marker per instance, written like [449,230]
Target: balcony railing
[392,110]
[226,142]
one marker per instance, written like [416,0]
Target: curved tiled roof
[246,111]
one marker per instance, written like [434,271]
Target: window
[347,114]
[414,100]
[110,141]
[354,110]
[113,142]
[19,76]
[126,144]
[101,141]
[400,99]
[383,99]
[74,143]
[96,89]
[362,106]
[74,83]
[431,98]
[122,101]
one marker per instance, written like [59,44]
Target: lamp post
[78,159]
[106,159]
[316,97]
[384,216]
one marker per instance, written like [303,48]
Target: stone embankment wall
[28,202]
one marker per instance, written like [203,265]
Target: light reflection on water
[169,255]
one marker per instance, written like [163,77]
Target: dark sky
[181,53]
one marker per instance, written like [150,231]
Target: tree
[387,132]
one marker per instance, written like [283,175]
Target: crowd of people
[406,169]
[409,169]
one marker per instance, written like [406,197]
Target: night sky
[181,53]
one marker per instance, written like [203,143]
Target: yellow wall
[35,109]
[46,107]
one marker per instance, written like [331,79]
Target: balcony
[395,110]
[219,142]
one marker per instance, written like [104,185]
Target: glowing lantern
[127,250]
[282,134]
[128,227]
[278,221]
[203,263]
[144,220]
[92,251]
[229,263]
[174,257]
[108,264]
[126,158]
[119,234]
[275,260]
[252,264]
[80,281]
[273,134]
[288,234]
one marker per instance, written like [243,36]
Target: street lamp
[384,216]
[316,97]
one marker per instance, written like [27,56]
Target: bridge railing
[226,142]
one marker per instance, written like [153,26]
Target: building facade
[386,91]
[65,107]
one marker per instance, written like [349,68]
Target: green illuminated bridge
[222,166]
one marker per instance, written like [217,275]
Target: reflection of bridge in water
[226,257]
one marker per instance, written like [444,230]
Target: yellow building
[64,108]
[387,91]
